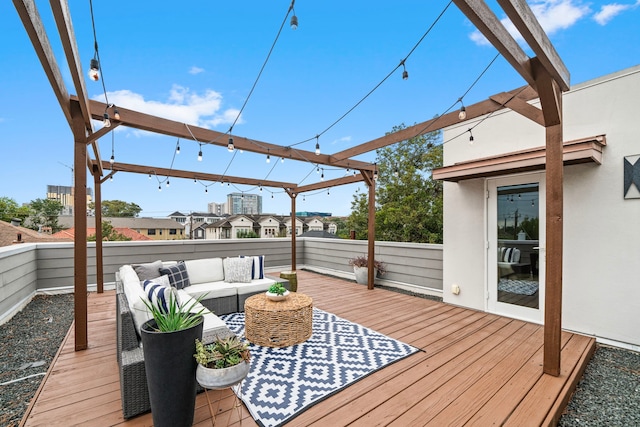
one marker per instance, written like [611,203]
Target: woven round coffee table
[278,323]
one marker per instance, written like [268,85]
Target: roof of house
[127,232]
[9,235]
[125,222]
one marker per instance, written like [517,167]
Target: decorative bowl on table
[276,297]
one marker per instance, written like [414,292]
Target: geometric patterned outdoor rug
[521,287]
[283,382]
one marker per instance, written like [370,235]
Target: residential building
[216,208]
[14,234]
[494,212]
[154,228]
[241,203]
[193,221]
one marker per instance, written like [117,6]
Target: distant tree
[118,208]
[408,200]
[44,213]
[109,234]
[9,209]
[341,227]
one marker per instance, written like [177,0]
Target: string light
[396,172]
[195,181]
[317,145]
[106,122]
[159,187]
[112,160]
[149,176]
[116,113]
[375,172]
[268,156]
[206,190]
[294,18]
[178,146]
[463,111]
[470,137]
[168,182]
[230,145]
[322,175]
[281,159]
[200,153]
[405,73]
[94,70]
[111,178]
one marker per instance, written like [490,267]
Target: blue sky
[195,62]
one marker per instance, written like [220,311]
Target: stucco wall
[601,292]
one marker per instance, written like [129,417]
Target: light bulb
[112,159]
[168,183]
[405,75]
[396,173]
[294,22]
[111,178]
[281,159]
[268,158]
[149,176]
[200,155]
[116,114]
[206,190]
[178,149]
[230,145]
[375,175]
[159,187]
[106,122]
[463,113]
[94,70]
[317,148]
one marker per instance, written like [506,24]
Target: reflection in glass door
[515,233]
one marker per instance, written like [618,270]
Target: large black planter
[171,373]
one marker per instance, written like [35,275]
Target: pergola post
[97,184]
[551,102]
[80,225]
[293,230]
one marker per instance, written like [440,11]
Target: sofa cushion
[255,286]
[257,269]
[135,295]
[160,295]
[178,276]
[237,270]
[211,290]
[148,271]
[204,270]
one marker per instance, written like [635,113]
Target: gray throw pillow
[237,270]
[147,271]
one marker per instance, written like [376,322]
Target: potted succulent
[167,345]
[360,265]
[223,363]
[277,292]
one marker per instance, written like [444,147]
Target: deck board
[475,368]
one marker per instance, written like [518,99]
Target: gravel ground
[608,394]
[29,341]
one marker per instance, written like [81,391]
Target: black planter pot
[171,373]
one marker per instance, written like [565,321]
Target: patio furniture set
[222,285]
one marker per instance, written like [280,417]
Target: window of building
[151,232]
[173,231]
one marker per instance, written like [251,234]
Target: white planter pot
[362,275]
[276,297]
[218,379]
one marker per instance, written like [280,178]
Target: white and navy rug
[520,287]
[283,382]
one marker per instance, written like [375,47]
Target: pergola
[545,75]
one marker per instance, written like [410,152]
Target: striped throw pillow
[160,295]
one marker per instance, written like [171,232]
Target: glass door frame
[493,305]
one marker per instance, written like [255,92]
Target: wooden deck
[476,369]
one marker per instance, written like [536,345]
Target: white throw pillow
[237,270]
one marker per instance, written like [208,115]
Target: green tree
[247,234]
[44,213]
[408,200]
[109,234]
[9,209]
[118,208]
[341,227]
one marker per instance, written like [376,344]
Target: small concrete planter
[218,379]
[276,297]
[362,275]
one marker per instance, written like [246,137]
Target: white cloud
[182,105]
[610,11]
[344,139]
[553,15]
[196,70]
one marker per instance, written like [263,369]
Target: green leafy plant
[277,289]
[223,353]
[363,261]
[176,317]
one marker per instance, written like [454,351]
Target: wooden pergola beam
[524,20]
[524,93]
[202,176]
[142,121]
[520,106]
[35,30]
[490,26]
[330,183]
